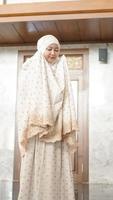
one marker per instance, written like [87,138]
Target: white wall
[101,117]
[8,79]
[100,111]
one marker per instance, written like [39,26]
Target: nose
[53,52]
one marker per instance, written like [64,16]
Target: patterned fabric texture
[45,102]
[46,128]
[46,172]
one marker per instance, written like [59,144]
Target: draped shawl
[45,104]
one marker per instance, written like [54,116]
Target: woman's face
[51,53]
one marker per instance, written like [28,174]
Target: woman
[46,125]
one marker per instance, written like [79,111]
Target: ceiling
[67,31]
[82,21]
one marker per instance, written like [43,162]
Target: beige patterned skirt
[46,172]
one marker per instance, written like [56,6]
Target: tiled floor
[82,192]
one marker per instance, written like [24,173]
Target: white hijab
[45,102]
[45,41]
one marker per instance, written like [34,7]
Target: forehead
[53,45]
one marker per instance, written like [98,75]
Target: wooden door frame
[83,167]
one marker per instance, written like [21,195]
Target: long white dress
[46,172]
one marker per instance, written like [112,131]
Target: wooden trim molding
[56,17]
[37,11]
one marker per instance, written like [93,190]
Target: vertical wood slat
[106,29]
[46,27]
[67,31]
[9,34]
[89,29]
[27,31]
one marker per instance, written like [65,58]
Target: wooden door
[83,137]
[78,68]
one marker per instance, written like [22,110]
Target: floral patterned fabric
[46,128]
[45,102]
[46,172]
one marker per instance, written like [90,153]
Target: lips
[52,57]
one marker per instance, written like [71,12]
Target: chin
[52,61]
